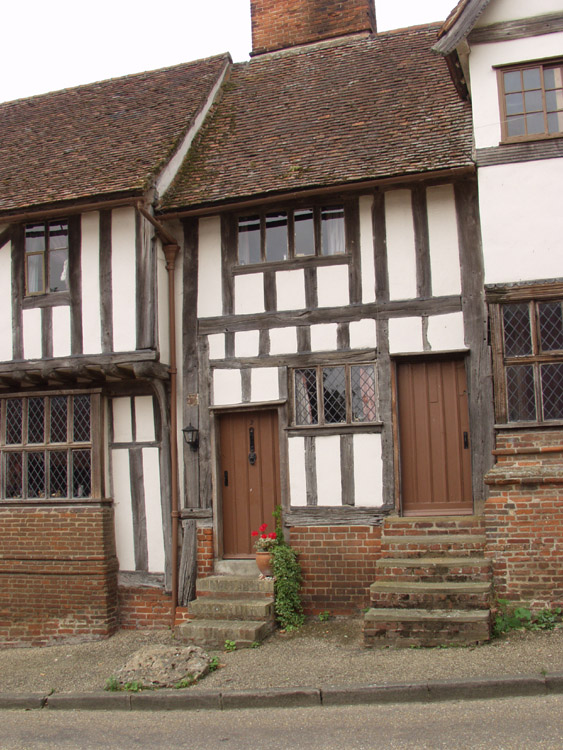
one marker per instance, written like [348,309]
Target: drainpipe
[171,253]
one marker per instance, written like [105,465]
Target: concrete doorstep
[184,700]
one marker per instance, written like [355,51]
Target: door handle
[252,454]
[466,440]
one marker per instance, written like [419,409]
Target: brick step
[421,627]
[437,545]
[435,595]
[212,634]
[429,569]
[232,586]
[221,608]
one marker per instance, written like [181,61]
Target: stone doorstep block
[236,584]
[119,701]
[22,700]
[441,587]
[425,615]
[272,698]
[176,700]
[427,540]
[227,609]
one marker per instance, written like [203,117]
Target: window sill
[52,299]
[529,425]
[41,502]
[509,141]
[293,263]
[334,429]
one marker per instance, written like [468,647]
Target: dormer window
[532,101]
[46,257]
[276,236]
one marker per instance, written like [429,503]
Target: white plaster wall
[264,384]
[249,294]
[509,10]
[123,263]
[61,331]
[401,257]
[32,333]
[216,344]
[363,334]
[297,474]
[290,289]
[247,343]
[443,239]
[6,323]
[333,288]
[522,220]
[283,340]
[327,451]
[90,281]
[162,304]
[144,419]
[227,387]
[122,426]
[209,296]
[368,471]
[122,508]
[366,249]
[405,335]
[445,332]
[153,512]
[324,337]
[484,88]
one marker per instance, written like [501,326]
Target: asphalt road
[502,724]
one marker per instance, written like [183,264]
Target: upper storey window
[532,101]
[281,235]
[46,257]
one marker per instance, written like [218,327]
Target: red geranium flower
[254,533]
[264,527]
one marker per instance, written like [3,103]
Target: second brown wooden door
[249,476]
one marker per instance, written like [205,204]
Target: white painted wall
[509,10]
[324,337]
[61,331]
[327,451]
[333,288]
[297,474]
[445,332]
[122,509]
[153,512]
[283,340]
[290,289]
[264,384]
[227,388]
[216,342]
[484,88]
[443,240]
[368,471]
[401,257]
[249,294]
[366,249]
[209,297]
[247,343]
[144,419]
[6,323]
[122,425]
[123,264]
[405,335]
[90,280]
[32,333]
[522,220]
[363,334]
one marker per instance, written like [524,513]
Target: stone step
[431,595]
[437,545]
[422,627]
[431,524]
[235,586]
[212,634]
[429,569]
[208,607]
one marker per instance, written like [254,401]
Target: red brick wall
[278,24]
[204,552]
[58,573]
[338,565]
[524,517]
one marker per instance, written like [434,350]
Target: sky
[52,45]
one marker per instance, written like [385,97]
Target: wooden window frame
[300,260]
[46,291]
[531,296]
[94,444]
[501,70]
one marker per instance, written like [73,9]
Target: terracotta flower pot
[264,562]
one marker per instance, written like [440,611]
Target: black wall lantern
[191,436]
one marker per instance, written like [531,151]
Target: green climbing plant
[287,577]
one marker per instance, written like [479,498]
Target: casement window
[47,448]
[334,394]
[274,236]
[46,257]
[527,339]
[531,99]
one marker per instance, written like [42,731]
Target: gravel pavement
[321,653]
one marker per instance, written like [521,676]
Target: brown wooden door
[250,477]
[435,458]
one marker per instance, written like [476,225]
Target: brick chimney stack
[279,24]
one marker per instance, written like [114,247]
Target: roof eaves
[458,25]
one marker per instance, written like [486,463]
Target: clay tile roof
[325,114]
[99,139]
